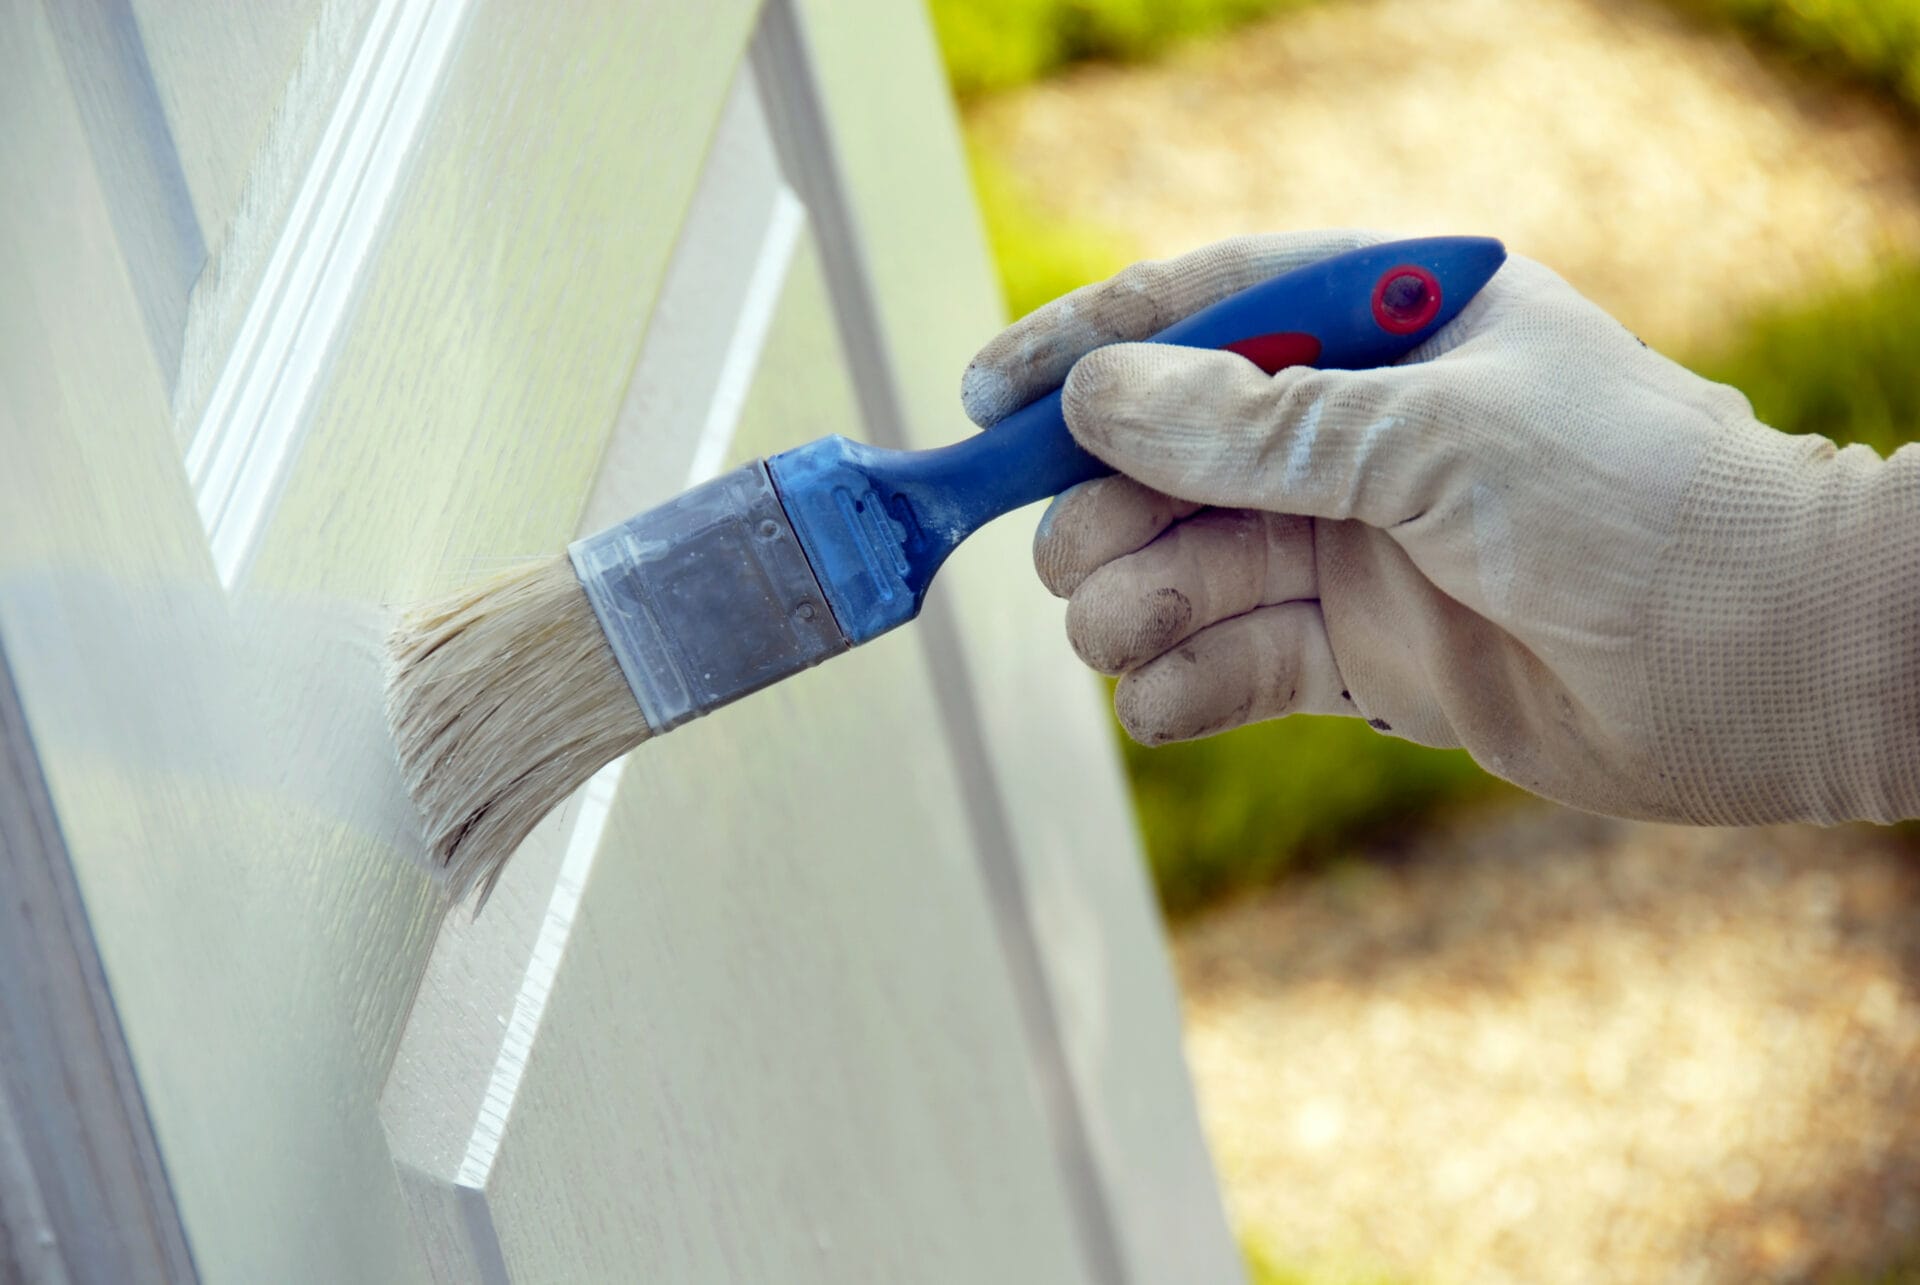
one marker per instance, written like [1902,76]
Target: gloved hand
[1535,538]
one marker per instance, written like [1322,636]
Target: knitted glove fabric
[1535,538]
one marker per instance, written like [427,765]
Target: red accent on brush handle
[1277,351]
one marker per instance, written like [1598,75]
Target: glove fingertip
[1129,403]
[986,394]
[1150,703]
[1057,560]
[1092,388]
[1093,410]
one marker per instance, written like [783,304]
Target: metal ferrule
[706,598]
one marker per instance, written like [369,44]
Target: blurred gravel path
[1550,1047]
[1661,168]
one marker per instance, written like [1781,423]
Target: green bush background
[1846,366]
[1875,41]
[996,44]
[1246,807]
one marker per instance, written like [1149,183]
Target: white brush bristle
[503,700]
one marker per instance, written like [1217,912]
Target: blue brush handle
[876,524]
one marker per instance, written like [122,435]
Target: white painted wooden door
[314,307]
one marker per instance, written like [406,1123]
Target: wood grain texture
[250,167]
[468,406]
[484,972]
[221,72]
[811,155]
[781,1036]
[707,328]
[83,1193]
[1040,736]
[221,765]
[793,1014]
[254,420]
[139,167]
[681,1117]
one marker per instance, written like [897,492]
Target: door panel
[771,954]
[495,330]
[826,986]
[1110,1009]
[219,73]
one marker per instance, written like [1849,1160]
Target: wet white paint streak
[1299,465]
[256,416]
[1365,454]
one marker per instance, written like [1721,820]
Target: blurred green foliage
[996,44]
[1877,41]
[1905,1270]
[1039,257]
[1845,365]
[1266,1268]
[1247,806]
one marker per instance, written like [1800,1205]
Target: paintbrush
[506,697]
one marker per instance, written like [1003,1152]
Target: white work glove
[1535,538]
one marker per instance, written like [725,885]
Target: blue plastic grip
[877,524]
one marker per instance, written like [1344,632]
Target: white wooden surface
[83,1192]
[1103,989]
[826,987]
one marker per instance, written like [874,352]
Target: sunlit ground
[1535,1046]
[1557,1048]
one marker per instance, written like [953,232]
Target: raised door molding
[83,1193]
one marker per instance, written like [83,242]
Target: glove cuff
[1782,637]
